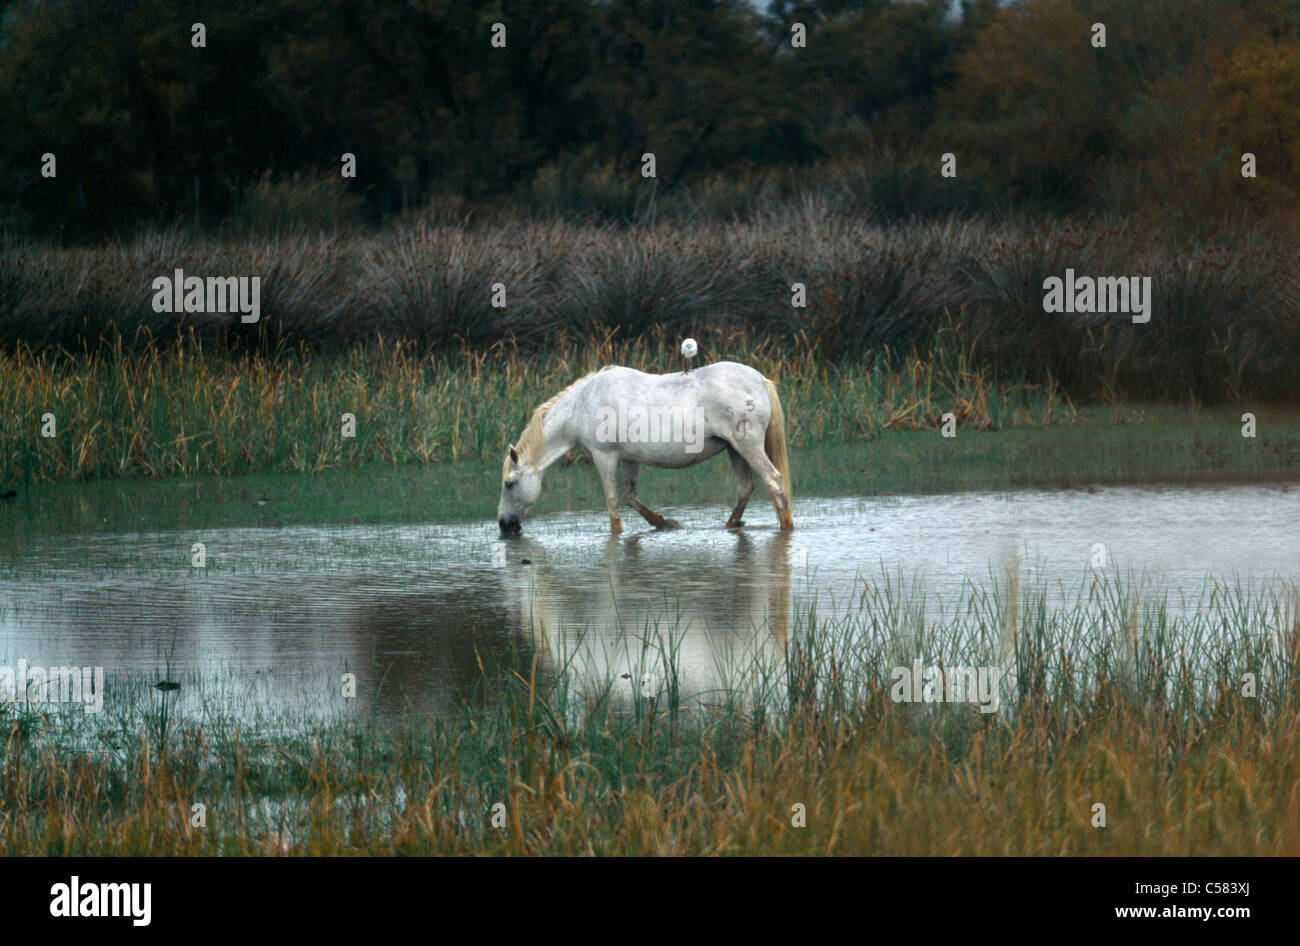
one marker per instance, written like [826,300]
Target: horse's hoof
[670,524]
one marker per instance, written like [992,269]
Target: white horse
[625,418]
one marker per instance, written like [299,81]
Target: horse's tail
[774,440]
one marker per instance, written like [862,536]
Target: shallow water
[278,616]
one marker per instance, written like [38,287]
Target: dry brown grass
[1225,322]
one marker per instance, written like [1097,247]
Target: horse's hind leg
[751,449]
[744,485]
[629,471]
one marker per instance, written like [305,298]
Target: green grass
[1102,446]
[1110,703]
[186,411]
[1099,446]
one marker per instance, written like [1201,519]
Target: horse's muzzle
[509,527]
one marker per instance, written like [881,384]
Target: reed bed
[1123,695]
[1225,320]
[181,410]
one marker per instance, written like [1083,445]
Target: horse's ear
[514,456]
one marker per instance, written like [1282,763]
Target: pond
[428,615]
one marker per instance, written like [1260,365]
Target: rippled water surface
[279,615]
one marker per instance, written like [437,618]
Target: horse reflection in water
[658,617]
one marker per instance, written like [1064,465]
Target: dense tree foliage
[146,128]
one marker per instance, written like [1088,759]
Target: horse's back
[722,385]
[722,373]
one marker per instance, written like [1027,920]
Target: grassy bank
[1098,446]
[184,412]
[1106,701]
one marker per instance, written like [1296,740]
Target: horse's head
[521,484]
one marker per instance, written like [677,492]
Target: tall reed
[1224,319]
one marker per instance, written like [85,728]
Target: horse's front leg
[629,470]
[607,466]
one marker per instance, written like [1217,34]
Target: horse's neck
[558,431]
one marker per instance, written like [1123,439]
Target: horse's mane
[533,439]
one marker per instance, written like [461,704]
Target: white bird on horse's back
[625,418]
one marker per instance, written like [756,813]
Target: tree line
[147,127]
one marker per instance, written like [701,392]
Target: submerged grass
[1118,694]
